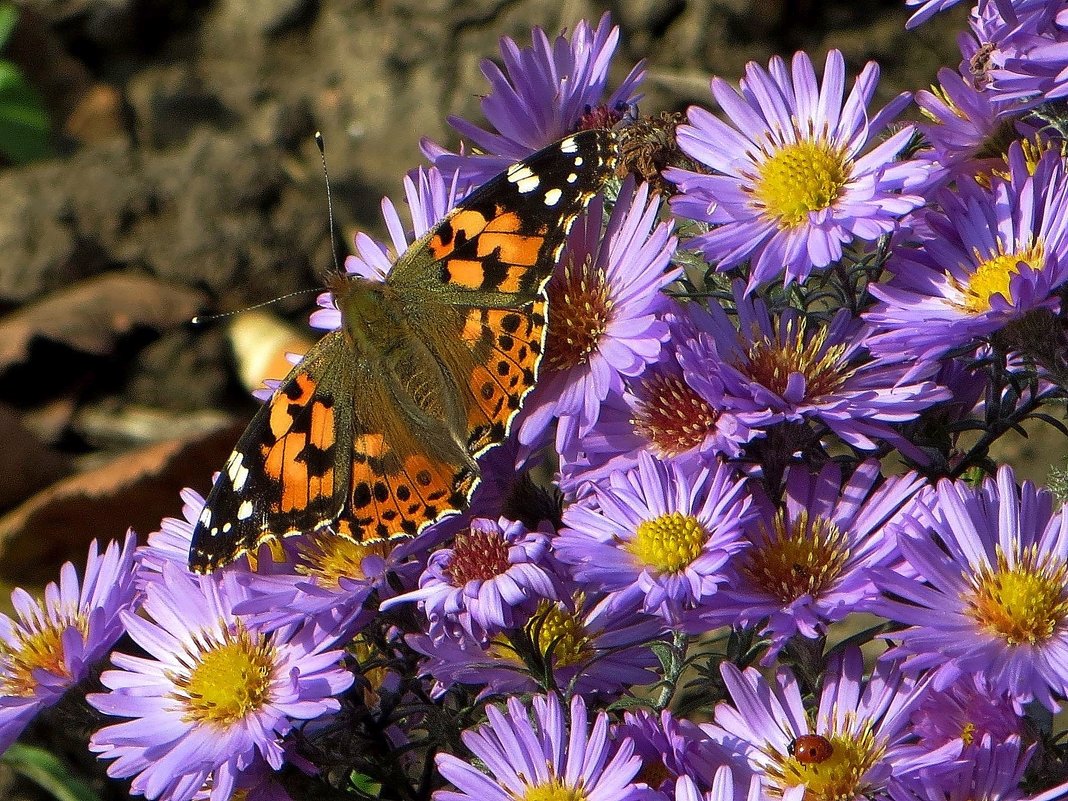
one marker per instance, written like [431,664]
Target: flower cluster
[759,435]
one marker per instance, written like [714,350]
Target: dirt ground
[185,180]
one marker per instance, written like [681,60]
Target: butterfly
[376,432]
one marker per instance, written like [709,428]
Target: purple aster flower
[53,645]
[213,693]
[170,545]
[928,8]
[494,572]
[1033,63]
[863,724]
[666,411]
[724,788]
[552,755]
[796,369]
[671,748]
[995,255]
[807,566]
[991,597]
[659,535]
[324,585]
[591,645]
[967,710]
[791,181]
[544,93]
[970,130]
[995,775]
[604,300]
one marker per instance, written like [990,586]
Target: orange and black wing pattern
[379,441]
[284,476]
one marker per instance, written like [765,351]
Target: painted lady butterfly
[376,432]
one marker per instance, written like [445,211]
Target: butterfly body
[376,431]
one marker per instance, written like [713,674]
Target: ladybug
[810,749]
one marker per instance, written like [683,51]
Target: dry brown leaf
[92,314]
[136,490]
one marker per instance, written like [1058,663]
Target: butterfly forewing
[378,440]
[497,248]
[285,475]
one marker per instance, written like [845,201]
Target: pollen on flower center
[804,558]
[39,650]
[230,680]
[668,543]
[1023,603]
[580,313]
[771,363]
[672,417]
[993,275]
[840,777]
[477,556]
[559,633]
[328,558]
[553,790]
[800,178]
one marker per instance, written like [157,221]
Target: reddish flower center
[671,415]
[772,362]
[802,557]
[599,117]
[477,556]
[579,313]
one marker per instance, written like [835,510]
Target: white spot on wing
[523,177]
[205,517]
[552,197]
[227,527]
[244,511]
[571,177]
[569,145]
[237,471]
[578,161]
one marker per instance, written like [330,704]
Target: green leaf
[365,785]
[23,120]
[629,702]
[665,654]
[9,15]
[45,770]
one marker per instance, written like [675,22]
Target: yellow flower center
[801,178]
[559,633]
[581,312]
[229,680]
[37,650]
[328,558]
[1022,604]
[668,543]
[804,558]
[967,733]
[840,777]
[993,274]
[553,790]
[772,362]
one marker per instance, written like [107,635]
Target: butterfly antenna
[201,319]
[329,199]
